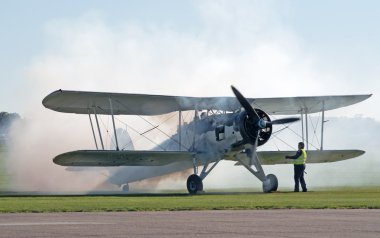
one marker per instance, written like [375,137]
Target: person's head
[301,145]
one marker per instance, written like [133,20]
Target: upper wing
[312,104]
[143,104]
[121,158]
[313,156]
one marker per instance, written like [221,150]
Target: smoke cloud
[340,133]
[244,44]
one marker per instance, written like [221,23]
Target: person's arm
[298,154]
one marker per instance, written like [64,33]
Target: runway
[252,223]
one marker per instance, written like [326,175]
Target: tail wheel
[194,184]
[270,184]
[125,188]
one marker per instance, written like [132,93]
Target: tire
[194,184]
[270,184]
[125,188]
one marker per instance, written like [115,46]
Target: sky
[304,48]
[190,48]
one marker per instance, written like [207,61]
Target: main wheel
[194,184]
[270,184]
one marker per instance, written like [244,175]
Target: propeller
[263,123]
[254,117]
[245,104]
[284,120]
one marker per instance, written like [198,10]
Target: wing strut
[303,133]
[194,127]
[92,128]
[323,122]
[97,123]
[179,130]
[307,131]
[113,123]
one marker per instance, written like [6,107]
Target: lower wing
[102,158]
[313,156]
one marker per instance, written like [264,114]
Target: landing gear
[194,184]
[125,188]
[270,184]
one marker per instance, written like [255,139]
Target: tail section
[124,139]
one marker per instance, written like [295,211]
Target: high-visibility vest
[302,158]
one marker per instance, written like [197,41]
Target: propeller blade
[284,120]
[244,103]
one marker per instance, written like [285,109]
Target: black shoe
[296,191]
[304,190]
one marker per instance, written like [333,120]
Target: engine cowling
[248,127]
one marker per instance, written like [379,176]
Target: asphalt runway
[253,223]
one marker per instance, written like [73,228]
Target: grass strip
[368,198]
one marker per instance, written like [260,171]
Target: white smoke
[243,44]
[340,133]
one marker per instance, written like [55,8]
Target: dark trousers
[299,170]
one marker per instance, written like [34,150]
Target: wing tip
[45,101]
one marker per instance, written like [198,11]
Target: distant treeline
[6,120]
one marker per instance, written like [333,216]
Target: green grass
[335,199]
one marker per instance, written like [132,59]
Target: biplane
[223,128]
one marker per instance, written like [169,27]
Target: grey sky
[334,41]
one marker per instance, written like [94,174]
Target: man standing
[299,167]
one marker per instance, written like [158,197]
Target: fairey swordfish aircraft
[223,128]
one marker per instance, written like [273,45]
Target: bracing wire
[106,128]
[155,127]
[139,133]
[285,127]
[314,131]
[284,142]
[135,131]
[275,144]
[183,121]
[168,136]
